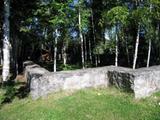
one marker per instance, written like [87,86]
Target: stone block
[142,82]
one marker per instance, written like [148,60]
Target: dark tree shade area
[72,34]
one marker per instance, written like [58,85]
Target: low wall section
[143,82]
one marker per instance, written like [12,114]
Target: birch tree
[6,41]
[116,17]
[56,15]
[136,47]
[150,32]
[140,17]
[153,16]
[83,22]
[55,50]
[81,37]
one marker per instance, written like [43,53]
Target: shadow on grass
[14,90]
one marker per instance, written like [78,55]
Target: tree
[1,34]
[116,17]
[83,21]
[56,15]
[55,51]
[138,17]
[156,24]
[81,38]
[150,33]
[94,36]
[22,33]
[6,41]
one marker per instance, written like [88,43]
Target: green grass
[89,104]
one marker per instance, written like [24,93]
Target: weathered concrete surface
[143,82]
[42,82]
[121,78]
[33,74]
[147,81]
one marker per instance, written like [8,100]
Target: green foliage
[150,32]
[156,8]
[88,64]
[117,15]
[24,29]
[68,67]
[102,47]
[85,13]
[30,18]
[60,16]
[9,94]
[54,13]
[141,15]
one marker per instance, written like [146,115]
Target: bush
[68,67]
[9,94]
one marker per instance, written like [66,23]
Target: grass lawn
[89,104]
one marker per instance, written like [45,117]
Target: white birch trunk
[55,51]
[6,41]
[99,59]
[149,52]
[136,48]
[149,45]
[116,50]
[64,54]
[81,38]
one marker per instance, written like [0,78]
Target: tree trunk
[94,38]
[157,32]
[1,56]
[149,45]
[99,59]
[149,52]
[14,55]
[127,52]
[90,52]
[136,48]
[64,54]
[19,55]
[85,46]
[55,51]
[81,38]
[96,60]
[6,41]
[116,49]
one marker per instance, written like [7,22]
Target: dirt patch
[20,78]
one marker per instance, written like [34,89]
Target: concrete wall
[143,82]
[41,82]
[147,81]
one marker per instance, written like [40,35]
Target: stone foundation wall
[41,82]
[143,82]
[147,81]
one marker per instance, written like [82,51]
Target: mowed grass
[88,104]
